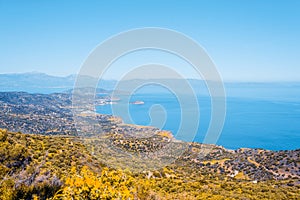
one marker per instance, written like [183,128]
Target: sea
[258,115]
[263,116]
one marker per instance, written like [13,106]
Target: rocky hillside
[56,162]
[36,113]
[62,167]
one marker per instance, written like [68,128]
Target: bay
[250,122]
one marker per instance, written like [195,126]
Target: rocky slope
[38,164]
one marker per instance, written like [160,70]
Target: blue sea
[256,117]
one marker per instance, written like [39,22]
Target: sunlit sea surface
[254,119]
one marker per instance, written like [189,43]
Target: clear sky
[248,40]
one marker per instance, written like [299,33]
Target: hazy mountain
[35,82]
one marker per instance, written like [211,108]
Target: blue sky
[248,40]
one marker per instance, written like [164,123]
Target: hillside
[58,167]
[51,160]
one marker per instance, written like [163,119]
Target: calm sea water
[259,115]
[269,123]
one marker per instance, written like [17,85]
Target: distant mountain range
[35,82]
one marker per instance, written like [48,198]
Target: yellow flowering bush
[111,184]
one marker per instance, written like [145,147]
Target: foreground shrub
[111,184]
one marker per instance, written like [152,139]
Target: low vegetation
[61,167]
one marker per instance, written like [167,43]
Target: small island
[137,103]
